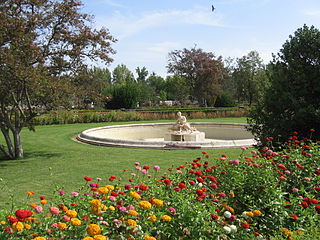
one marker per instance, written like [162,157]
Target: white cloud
[164,47]
[126,25]
[312,12]
[111,3]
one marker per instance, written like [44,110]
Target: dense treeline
[194,77]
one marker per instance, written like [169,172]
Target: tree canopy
[203,71]
[292,103]
[43,46]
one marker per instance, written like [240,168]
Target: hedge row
[67,117]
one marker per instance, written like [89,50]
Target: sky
[147,30]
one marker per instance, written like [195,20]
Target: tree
[177,88]
[91,85]
[203,71]
[158,84]
[121,75]
[43,45]
[292,103]
[248,77]
[142,74]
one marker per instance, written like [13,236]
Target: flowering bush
[261,194]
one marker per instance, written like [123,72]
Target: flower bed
[261,194]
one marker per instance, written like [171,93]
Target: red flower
[112,178]
[182,185]
[167,181]
[22,214]
[299,166]
[13,220]
[200,180]
[317,189]
[74,204]
[114,194]
[214,216]
[304,204]
[294,217]
[282,166]
[146,167]
[213,179]
[199,192]
[314,201]
[143,187]
[245,225]
[42,197]
[312,130]
[87,178]
[317,208]
[317,172]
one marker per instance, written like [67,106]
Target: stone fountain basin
[151,135]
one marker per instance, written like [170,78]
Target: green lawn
[53,159]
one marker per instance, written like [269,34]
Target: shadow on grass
[28,156]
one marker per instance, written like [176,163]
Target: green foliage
[292,103]
[177,88]
[225,100]
[121,75]
[123,96]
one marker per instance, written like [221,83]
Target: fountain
[180,135]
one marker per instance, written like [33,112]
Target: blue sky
[147,30]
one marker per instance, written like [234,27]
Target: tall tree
[177,88]
[121,75]
[248,77]
[142,74]
[43,44]
[292,103]
[203,71]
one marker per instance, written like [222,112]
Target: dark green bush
[225,100]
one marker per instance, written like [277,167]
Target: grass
[53,159]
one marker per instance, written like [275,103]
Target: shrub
[225,100]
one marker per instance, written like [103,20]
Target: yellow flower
[249,214]
[87,238]
[95,203]
[103,207]
[75,221]
[27,226]
[131,222]
[166,218]
[135,195]
[257,213]
[93,229]
[145,204]
[152,218]
[71,213]
[157,202]
[112,208]
[40,238]
[111,188]
[133,213]
[62,226]
[103,190]
[99,237]
[3,222]
[18,226]
[146,237]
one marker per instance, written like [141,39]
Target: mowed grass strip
[53,160]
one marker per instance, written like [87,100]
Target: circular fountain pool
[151,135]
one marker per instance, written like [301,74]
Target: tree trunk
[18,151]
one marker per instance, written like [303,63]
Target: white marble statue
[182,125]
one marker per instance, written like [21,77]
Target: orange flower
[257,213]
[30,193]
[43,201]
[93,229]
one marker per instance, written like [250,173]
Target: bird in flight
[212,8]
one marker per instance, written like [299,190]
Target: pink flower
[192,182]
[38,209]
[136,163]
[295,190]
[66,218]
[100,218]
[112,198]
[54,225]
[213,185]
[223,158]
[61,192]
[172,211]
[236,162]
[123,209]
[179,171]
[127,186]
[144,171]
[222,195]
[307,179]
[75,194]
[130,207]
[177,189]
[133,174]
[54,210]
[138,168]
[254,152]
[99,179]
[105,223]
[243,148]
[156,167]
[287,172]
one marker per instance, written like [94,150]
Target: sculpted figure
[182,124]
